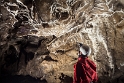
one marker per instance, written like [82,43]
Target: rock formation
[38,38]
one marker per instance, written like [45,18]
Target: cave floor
[20,79]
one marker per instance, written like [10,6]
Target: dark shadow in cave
[48,58]
[20,79]
[65,79]
[11,56]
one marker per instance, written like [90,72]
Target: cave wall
[38,37]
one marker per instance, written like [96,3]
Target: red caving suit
[85,71]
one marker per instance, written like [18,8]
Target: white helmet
[84,49]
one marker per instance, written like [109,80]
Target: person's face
[80,53]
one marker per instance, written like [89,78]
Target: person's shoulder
[89,60]
[78,63]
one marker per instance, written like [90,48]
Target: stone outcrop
[38,38]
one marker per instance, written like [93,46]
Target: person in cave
[84,69]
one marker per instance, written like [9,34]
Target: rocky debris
[38,38]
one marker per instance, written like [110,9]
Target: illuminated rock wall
[47,31]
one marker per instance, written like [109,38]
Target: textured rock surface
[38,37]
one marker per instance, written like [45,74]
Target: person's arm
[95,78]
[77,73]
[93,66]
